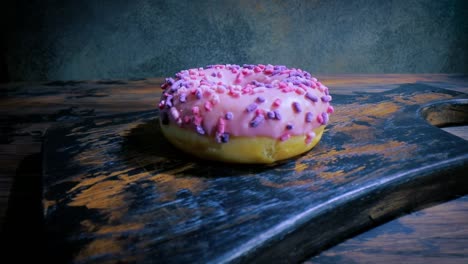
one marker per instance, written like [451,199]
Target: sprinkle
[330,109]
[299,91]
[162,104]
[277,115]
[311,97]
[200,130]
[257,69]
[259,111]
[309,137]
[277,102]
[245,71]
[195,110]
[175,114]
[213,74]
[221,125]
[325,118]
[187,119]
[285,137]
[229,116]
[198,94]
[271,115]
[251,107]
[260,99]
[197,120]
[220,89]
[308,117]
[169,101]
[238,79]
[297,107]
[214,99]
[224,137]
[268,86]
[289,126]
[257,121]
[183,98]
[164,118]
[326,98]
[207,106]
[219,75]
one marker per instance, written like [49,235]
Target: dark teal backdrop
[96,39]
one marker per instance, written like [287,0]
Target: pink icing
[253,100]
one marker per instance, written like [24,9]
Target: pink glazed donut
[249,114]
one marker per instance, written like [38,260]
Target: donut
[244,114]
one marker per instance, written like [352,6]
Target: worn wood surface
[115,189]
[409,240]
[28,109]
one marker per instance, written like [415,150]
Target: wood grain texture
[27,110]
[409,239]
[114,189]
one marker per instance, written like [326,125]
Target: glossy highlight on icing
[222,101]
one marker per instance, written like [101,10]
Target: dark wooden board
[115,190]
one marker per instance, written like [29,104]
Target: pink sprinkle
[234,93]
[245,71]
[309,137]
[193,77]
[207,106]
[234,71]
[319,119]
[238,79]
[197,120]
[220,89]
[192,72]
[215,99]
[195,110]
[201,73]
[300,91]
[268,71]
[285,137]
[283,85]
[330,109]
[261,66]
[257,69]
[277,102]
[221,125]
[219,75]
[174,113]
[207,93]
[260,112]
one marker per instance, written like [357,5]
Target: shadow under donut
[146,145]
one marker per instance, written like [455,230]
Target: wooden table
[27,110]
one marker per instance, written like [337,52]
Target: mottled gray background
[95,39]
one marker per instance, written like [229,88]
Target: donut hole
[229,78]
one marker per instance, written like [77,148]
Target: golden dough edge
[239,149]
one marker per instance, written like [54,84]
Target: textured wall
[128,39]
